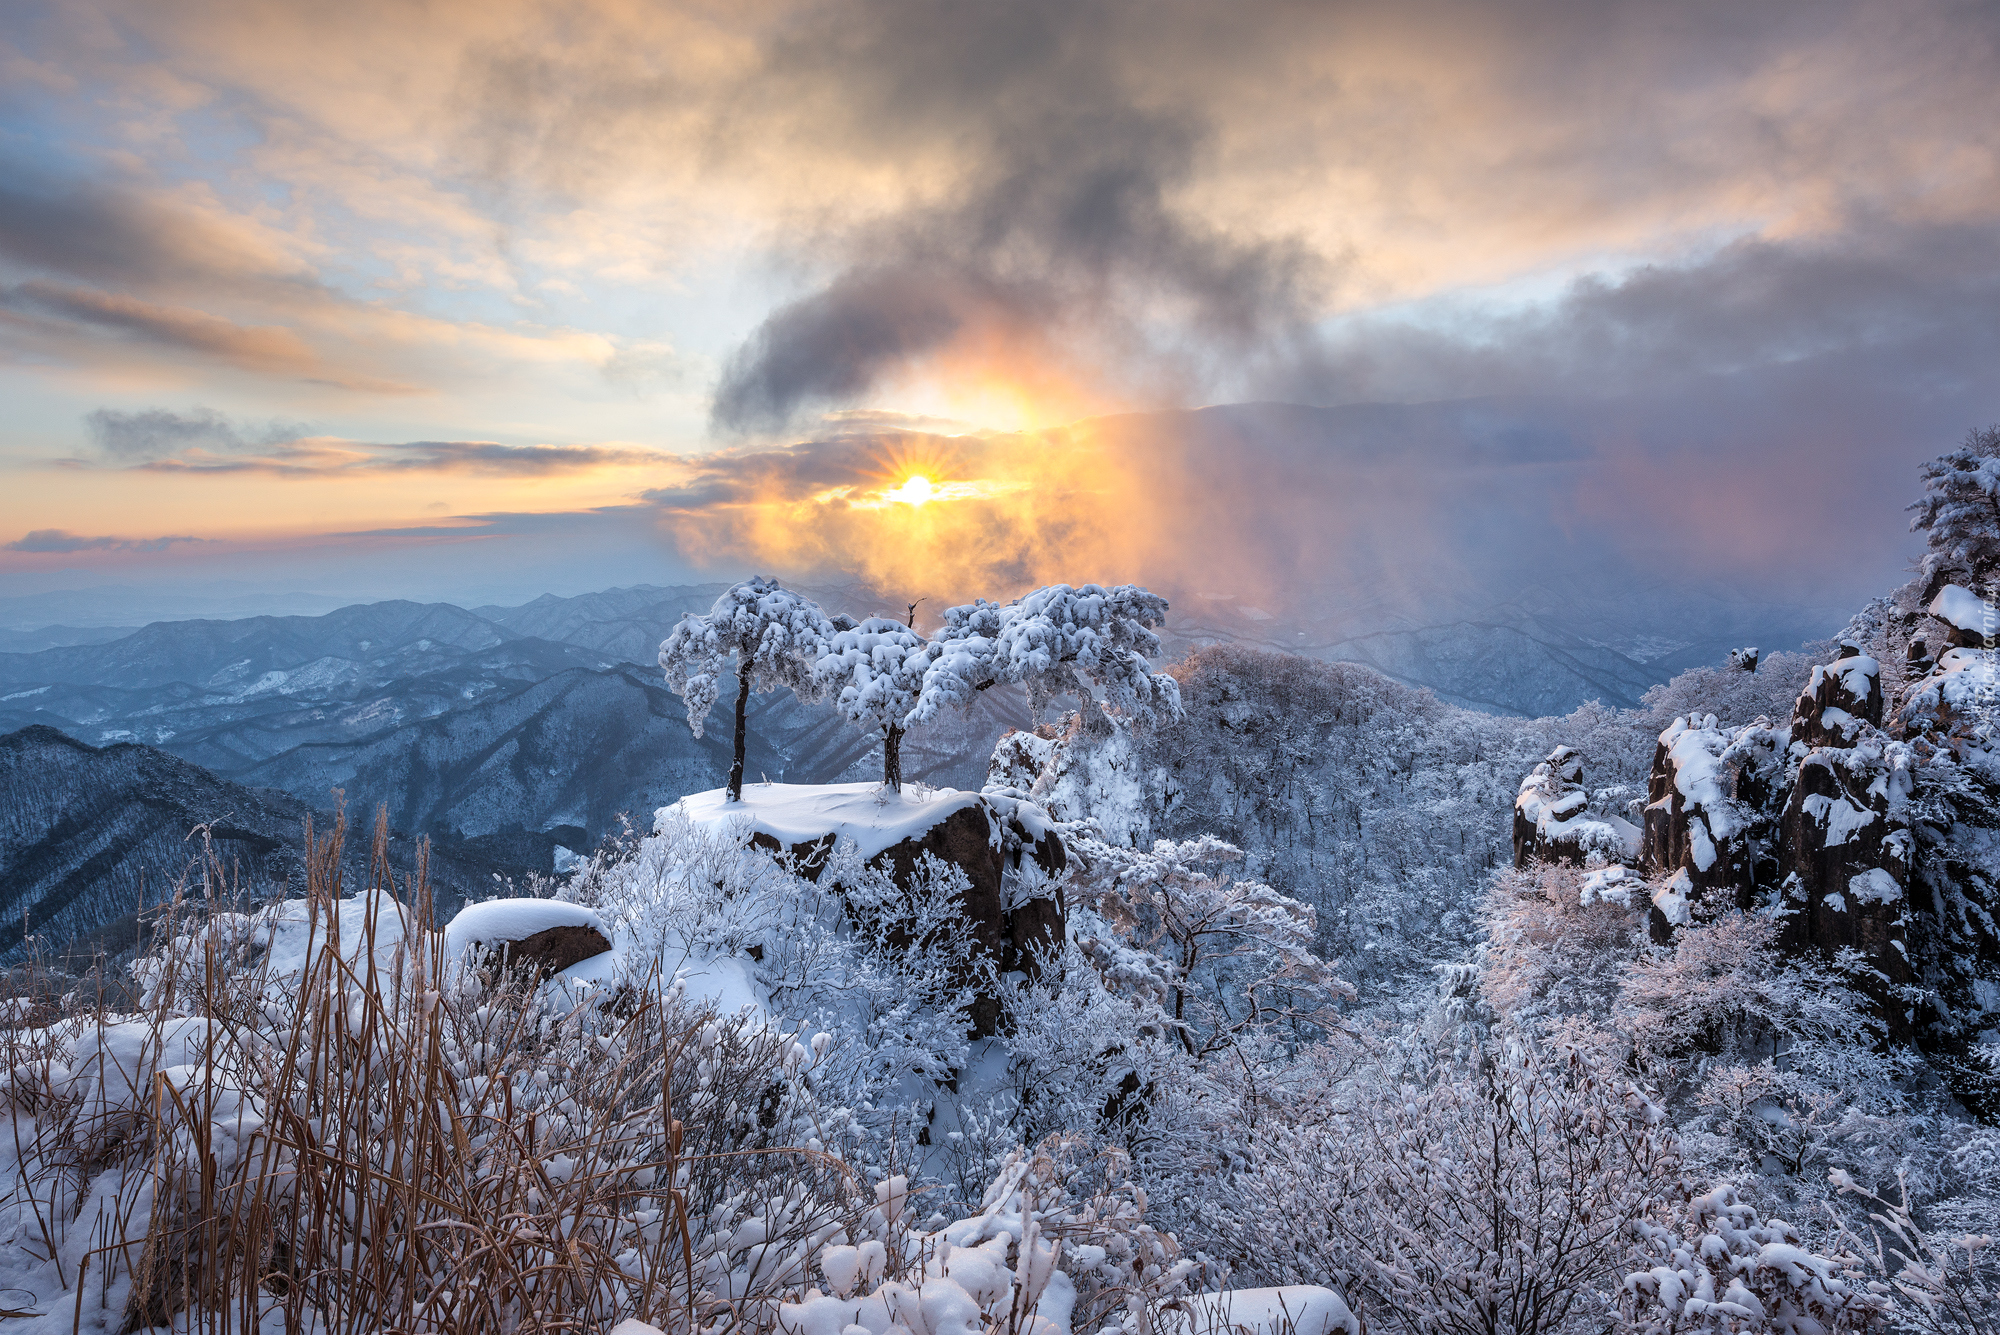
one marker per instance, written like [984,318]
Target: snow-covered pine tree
[775,637]
[873,672]
[1057,639]
[1960,511]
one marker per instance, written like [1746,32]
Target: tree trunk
[892,758]
[742,728]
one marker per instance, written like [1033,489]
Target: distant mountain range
[509,733]
[506,734]
[91,835]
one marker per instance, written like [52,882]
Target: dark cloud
[113,235]
[60,540]
[1063,237]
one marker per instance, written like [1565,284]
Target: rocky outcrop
[1813,822]
[1552,820]
[1012,857]
[1845,847]
[1840,699]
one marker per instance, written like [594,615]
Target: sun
[916,490]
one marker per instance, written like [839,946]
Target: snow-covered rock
[1969,619]
[1708,809]
[1847,850]
[872,816]
[993,838]
[1838,700]
[1552,822]
[547,934]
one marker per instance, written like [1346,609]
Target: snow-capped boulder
[1552,822]
[1838,700]
[1969,621]
[544,934]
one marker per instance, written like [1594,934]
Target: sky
[483,300]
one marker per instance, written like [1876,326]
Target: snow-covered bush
[892,972]
[1722,1268]
[771,636]
[1499,1198]
[1059,1243]
[1227,961]
[1949,1283]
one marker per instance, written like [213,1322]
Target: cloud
[203,441]
[113,234]
[154,433]
[1063,238]
[331,457]
[60,540]
[266,350]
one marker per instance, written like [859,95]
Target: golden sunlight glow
[916,489]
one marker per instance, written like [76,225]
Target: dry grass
[377,1144]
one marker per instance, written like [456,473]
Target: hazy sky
[493,298]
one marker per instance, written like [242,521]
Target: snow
[872,816]
[1874,886]
[1671,899]
[114,1063]
[1612,885]
[1294,1309]
[1694,752]
[1964,609]
[498,921]
[1841,819]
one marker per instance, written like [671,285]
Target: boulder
[544,935]
[1966,620]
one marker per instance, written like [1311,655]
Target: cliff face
[1873,836]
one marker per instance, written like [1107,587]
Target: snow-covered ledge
[873,816]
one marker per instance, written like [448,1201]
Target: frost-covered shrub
[1734,696]
[1226,961]
[1722,1268]
[1949,1282]
[893,972]
[1486,1200]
